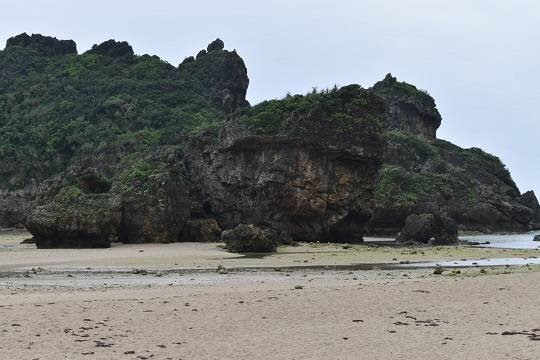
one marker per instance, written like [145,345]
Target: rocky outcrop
[536,238]
[530,201]
[155,204]
[201,230]
[473,187]
[250,239]
[163,154]
[216,45]
[434,227]
[418,228]
[45,45]
[297,184]
[222,72]
[112,48]
[73,219]
[535,222]
[15,206]
[148,203]
[187,60]
[409,109]
[200,54]
[312,180]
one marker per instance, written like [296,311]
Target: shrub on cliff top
[349,107]
[57,108]
[390,87]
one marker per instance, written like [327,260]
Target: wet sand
[196,301]
[198,256]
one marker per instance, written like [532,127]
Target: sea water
[507,241]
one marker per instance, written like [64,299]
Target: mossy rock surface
[248,238]
[76,219]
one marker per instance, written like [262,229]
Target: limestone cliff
[103,109]
[311,180]
[112,146]
[409,109]
[472,186]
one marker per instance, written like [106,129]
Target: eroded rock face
[155,207]
[473,187]
[535,222]
[313,180]
[73,219]
[530,201]
[222,72]
[418,228]
[409,109]
[250,239]
[201,230]
[45,45]
[148,203]
[216,45]
[15,206]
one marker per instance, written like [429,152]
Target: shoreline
[18,258]
[24,266]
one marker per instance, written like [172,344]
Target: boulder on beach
[435,228]
[74,219]
[536,238]
[250,239]
[418,228]
[201,230]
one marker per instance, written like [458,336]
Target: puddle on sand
[248,256]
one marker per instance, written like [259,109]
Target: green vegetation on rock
[54,109]
[419,145]
[398,187]
[350,108]
[161,145]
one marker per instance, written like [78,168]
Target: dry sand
[65,311]
[261,318]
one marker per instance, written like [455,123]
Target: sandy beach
[302,316]
[197,301]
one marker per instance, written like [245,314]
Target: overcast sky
[479,58]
